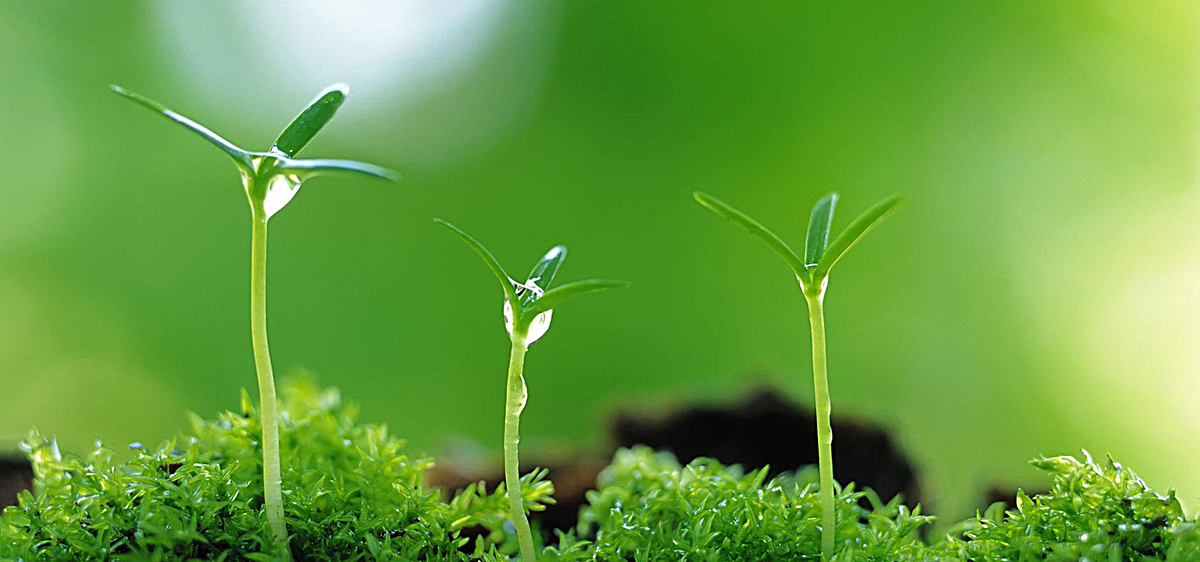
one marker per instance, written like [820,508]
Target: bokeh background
[1040,292]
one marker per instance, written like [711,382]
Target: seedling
[813,274]
[528,309]
[271,179]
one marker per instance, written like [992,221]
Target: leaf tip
[389,175]
[453,228]
[333,94]
[893,202]
[127,93]
[707,201]
[615,284]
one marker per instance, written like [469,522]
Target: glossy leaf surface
[543,272]
[310,121]
[855,231]
[819,224]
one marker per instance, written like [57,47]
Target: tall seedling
[271,179]
[813,275]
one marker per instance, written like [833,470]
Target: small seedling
[528,309]
[813,274]
[271,179]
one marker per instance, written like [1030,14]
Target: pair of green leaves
[535,296]
[819,253]
[294,137]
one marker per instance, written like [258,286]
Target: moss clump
[353,494]
[650,508]
[1094,511]
[350,493]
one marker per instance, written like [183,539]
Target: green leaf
[510,293]
[309,168]
[819,223]
[557,295]
[741,219]
[240,156]
[853,233]
[544,271]
[305,126]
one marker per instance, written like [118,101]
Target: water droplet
[523,398]
[537,328]
[280,190]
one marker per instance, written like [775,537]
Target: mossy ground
[352,493]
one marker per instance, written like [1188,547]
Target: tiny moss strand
[816,317]
[272,480]
[513,404]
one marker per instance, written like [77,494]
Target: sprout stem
[816,317]
[272,481]
[513,404]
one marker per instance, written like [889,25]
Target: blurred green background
[1039,293]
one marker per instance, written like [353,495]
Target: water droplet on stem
[537,328]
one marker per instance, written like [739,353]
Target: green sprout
[271,179]
[528,309]
[813,274]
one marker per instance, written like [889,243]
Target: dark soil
[767,429]
[15,475]
[764,429]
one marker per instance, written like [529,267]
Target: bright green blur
[1037,295]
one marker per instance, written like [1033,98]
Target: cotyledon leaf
[855,231]
[240,156]
[741,219]
[557,295]
[320,166]
[819,223]
[543,273]
[510,293]
[305,126]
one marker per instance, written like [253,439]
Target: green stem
[272,481]
[816,316]
[513,404]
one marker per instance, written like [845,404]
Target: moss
[1097,511]
[649,507]
[352,493]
